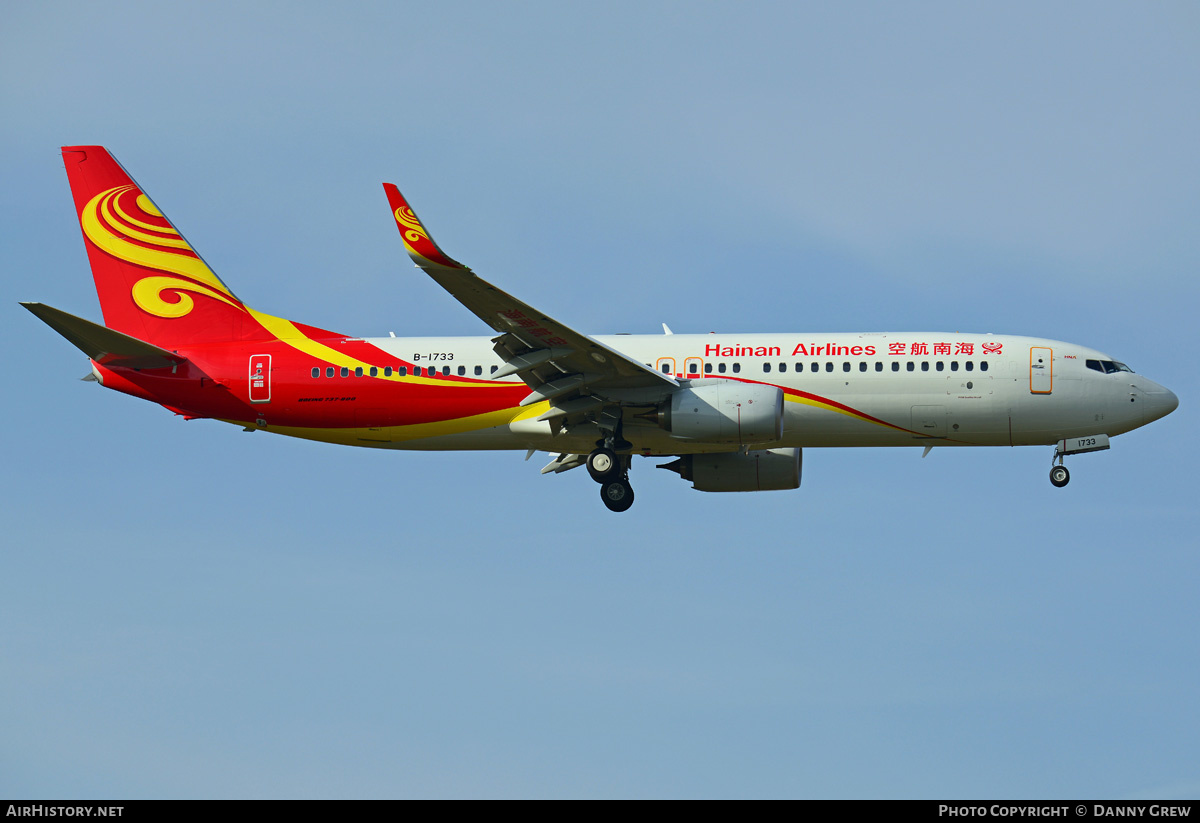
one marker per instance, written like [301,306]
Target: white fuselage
[868,389]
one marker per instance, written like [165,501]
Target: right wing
[574,372]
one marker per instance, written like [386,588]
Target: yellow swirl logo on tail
[126,224]
[147,293]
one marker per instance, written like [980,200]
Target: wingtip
[420,246]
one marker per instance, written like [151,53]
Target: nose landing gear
[1059,476]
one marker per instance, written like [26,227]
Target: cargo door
[929,421]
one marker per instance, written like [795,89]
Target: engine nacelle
[756,471]
[724,412]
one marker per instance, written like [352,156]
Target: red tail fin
[152,284]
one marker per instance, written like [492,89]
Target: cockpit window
[1108,366]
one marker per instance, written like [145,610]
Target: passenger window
[666,368]
[924,365]
[462,370]
[316,372]
[911,365]
[862,365]
[478,370]
[495,369]
[879,366]
[708,368]
[816,367]
[953,365]
[783,367]
[358,371]
[828,367]
[345,372]
[374,371]
[721,368]
[445,371]
[970,365]
[403,371]
[941,366]
[845,365]
[329,371]
[387,371]
[799,367]
[983,366]
[737,367]
[766,368]
[895,365]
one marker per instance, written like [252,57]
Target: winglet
[419,244]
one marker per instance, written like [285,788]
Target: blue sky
[190,611]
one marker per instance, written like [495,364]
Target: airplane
[735,411]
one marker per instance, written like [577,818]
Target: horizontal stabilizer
[102,344]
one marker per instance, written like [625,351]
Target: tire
[1059,476]
[603,465]
[617,495]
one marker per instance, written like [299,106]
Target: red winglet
[417,242]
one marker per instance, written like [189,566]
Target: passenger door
[260,378]
[1041,370]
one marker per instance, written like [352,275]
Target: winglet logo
[416,240]
[414,231]
[126,224]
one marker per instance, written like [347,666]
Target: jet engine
[724,412]
[754,471]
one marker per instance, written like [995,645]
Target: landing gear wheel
[617,495]
[603,465]
[1059,476]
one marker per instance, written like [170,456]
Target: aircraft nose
[1160,401]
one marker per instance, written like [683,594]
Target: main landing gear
[617,495]
[611,471]
[603,464]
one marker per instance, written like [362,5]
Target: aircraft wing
[573,371]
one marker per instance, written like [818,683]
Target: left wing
[574,372]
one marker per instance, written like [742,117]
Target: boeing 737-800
[734,411]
